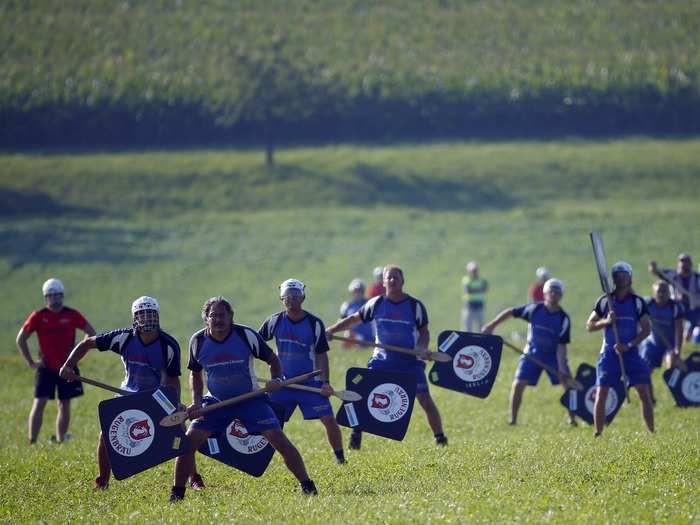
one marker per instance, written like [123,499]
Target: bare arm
[344,324]
[678,327]
[196,387]
[645,323]
[595,322]
[489,327]
[562,364]
[23,347]
[323,366]
[82,348]
[89,330]
[175,383]
[275,372]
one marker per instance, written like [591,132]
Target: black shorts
[46,381]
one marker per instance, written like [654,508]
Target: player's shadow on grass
[16,203]
[373,186]
[48,243]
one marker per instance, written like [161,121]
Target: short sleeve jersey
[546,330]
[298,342]
[228,364]
[56,333]
[146,366]
[628,313]
[663,331]
[396,324]
[691,284]
[350,307]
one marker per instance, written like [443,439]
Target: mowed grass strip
[190,242]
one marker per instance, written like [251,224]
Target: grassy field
[185,226]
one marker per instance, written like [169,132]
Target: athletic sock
[177,493]
[440,438]
[339,456]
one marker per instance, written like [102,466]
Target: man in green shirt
[474,297]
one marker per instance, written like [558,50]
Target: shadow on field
[424,191]
[51,244]
[19,203]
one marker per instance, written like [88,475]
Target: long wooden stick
[176,418]
[602,267]
[442,357]
[344,395]
[92,382]
[563,377]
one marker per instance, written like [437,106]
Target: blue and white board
[474,365]
[581,401]
[237,448]
[386,405]
[685,386]
[134,440]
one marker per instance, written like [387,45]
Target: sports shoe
[355,441]
[308,487]
[100,484]
[196,482]
[441,440]
[53,440]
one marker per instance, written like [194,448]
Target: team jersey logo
[131,433]
[691,387]
[471,363]
[610,403]
[241,441]
[388,402]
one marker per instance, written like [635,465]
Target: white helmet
[292,284]
[555,284]
[148,310]
[52,285]
[144,303]
[356,285]
[621,266]
[378,273]
[472,266]
[542,273]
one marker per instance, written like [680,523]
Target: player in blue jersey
[151,359]
[630,316]
[362,331]
[225,351]
[666,339]
[302,347]
[686,288]
[400,320]
[548,333]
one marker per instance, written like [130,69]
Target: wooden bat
[177,418]
[441,357]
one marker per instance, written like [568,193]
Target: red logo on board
[380,400]
[238,430]
[140,430]
[465,361]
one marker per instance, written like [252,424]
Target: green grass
[185,226]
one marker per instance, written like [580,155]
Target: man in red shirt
[55,327]
[377,287]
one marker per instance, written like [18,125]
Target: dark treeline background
[100,73]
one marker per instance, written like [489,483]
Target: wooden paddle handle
[103,386]
[544,365]
[255,393]
[416,353]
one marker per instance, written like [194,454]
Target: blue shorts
[256,415]
[608,368]
[651,353]
[407,366]
[530,371]
[312,405]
